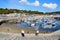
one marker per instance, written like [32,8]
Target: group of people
[23,33]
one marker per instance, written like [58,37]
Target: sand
[11,32]
[17,36]
[11,28]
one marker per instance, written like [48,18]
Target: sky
[34,5]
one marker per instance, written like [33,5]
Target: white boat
[33,24]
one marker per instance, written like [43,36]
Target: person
[22,33]
[58,39]
[37,32]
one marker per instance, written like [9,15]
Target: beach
[17,36]
[11,32]
[11,28]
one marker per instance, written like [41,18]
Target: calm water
[40,25]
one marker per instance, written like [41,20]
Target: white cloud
[23,1]
[36,3]
[51,5]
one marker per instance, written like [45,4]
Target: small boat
[33,24]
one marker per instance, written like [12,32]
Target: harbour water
[41,24]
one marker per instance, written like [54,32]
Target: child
[37,32]
[22,33]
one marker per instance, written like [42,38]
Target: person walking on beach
[37,32]
[22,33]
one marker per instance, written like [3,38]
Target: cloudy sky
[35,5]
